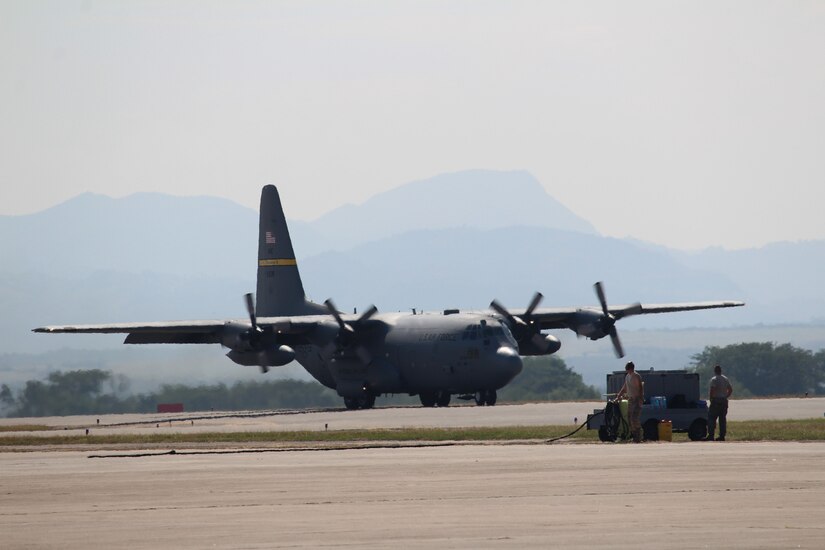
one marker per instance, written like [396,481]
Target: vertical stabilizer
[280,291]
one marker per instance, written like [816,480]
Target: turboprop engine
[530,339]
[251,346]
[273,357]
[539,344]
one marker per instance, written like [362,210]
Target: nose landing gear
[362,402]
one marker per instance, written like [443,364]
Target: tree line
[765,369]
[755,370]
[97,391]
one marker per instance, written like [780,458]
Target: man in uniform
[718,394]
[635,390]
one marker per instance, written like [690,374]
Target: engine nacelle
[590,324]
[236,336]
[539,344]
[272,357]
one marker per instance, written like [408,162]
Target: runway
[530,414]
[747,495]
[678,495]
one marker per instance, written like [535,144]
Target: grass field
[785,430]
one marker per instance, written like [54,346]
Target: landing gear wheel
[360,402]
[486,397]
[491,397]
[651,429]
[698,430]
[443,399]
[427,398]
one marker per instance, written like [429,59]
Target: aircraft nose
[508,361]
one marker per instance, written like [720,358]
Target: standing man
[718,393]
[635,390]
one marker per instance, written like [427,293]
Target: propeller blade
[250,307]
[634,309]
[372,310]
[334,312]
[534,303]
[602,300]
[617,344]
[501,310]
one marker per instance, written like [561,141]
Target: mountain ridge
[188,257]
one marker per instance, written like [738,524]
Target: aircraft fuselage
[459,353]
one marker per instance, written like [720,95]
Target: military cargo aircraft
[432,355]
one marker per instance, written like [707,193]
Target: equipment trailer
[670,395]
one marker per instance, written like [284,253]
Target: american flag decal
[270,238]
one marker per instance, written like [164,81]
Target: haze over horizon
[687,125]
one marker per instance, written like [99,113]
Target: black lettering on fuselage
[438,337]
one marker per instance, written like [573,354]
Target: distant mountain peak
[78,204]
[483,199]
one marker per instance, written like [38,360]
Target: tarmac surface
[675,495]
[531,414]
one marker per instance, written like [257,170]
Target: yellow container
[665,430]
[623,406]
[624,427]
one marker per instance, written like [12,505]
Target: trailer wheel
[698,429]
[651,429]
[605,434]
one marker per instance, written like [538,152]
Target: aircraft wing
[572,318]
[188,332]
[686,306]
[174,332]
[592,322]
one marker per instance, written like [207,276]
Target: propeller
[608,320]
[250,346]
[523,326]
[255,332]
[347,335]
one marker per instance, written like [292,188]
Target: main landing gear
[435,398]
[486,397]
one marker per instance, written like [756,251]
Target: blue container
[659,402]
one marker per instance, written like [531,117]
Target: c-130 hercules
[432,355]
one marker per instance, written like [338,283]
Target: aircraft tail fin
[279,290]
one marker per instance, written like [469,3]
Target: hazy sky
[688,124]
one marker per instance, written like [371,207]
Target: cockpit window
[509,336]
[470,332]
[487,332]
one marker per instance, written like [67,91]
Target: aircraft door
[486,334]
[467,358]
